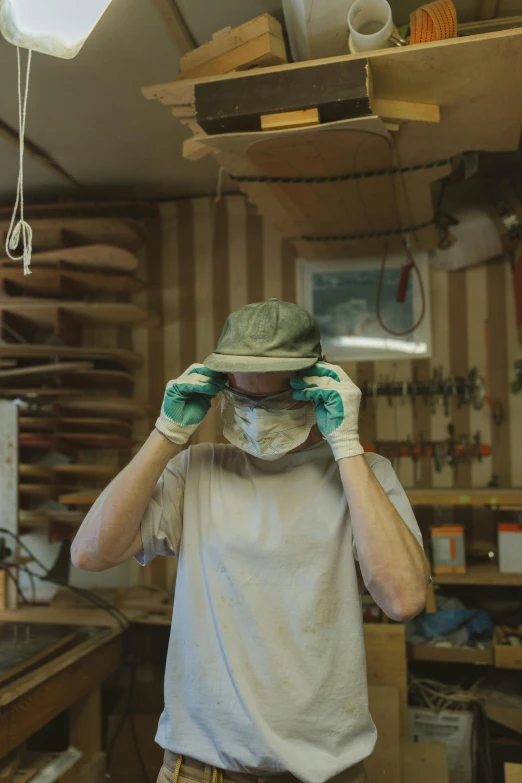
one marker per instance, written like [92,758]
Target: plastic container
[448,549]
[510,548]
[371,24]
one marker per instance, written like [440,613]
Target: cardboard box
[507,656]
[510,548]
[454,729]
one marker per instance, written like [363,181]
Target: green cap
[268,336]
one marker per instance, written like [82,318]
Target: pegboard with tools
[449,452]
[437,390]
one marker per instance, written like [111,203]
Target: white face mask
[266,434]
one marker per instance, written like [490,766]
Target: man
[266,667]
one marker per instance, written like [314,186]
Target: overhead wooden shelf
[496,498]
[484,575]
[101,258]
[44,314]
[60,525]
[339,187]
[38,472]
[68,472]
[112,407]
[430,652]
[35,519]
[66,283]
[85,472]
[33,393]
[85,497]
[59,425]
[99,379]
[82,379]
[32,373]
[50,233]
[77,440]
[126,359]
[42,491]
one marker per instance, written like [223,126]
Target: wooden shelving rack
[480,576]
[493,498]
[61,329]
[329,185]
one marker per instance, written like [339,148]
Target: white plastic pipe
[371,24]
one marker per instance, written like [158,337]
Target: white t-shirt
[266,668]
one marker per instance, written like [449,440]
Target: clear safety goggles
[273,403]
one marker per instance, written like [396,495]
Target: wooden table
[70,681]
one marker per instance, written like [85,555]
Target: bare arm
[394,567]
[110,533]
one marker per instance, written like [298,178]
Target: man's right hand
[187,402]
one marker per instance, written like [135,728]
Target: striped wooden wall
[217,257]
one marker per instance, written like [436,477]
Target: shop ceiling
[88,113]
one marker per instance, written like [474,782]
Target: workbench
[34,695]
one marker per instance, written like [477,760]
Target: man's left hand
[336,399]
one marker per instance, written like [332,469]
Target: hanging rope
[21,231]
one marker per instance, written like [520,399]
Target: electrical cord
[410,265]
[405,231]
[121,618]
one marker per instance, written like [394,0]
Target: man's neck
[313,438]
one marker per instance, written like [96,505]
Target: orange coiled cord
[433,22]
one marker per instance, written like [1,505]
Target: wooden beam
[10,764]
[11,135]
[384,765]
[85,731]
[405,110]
[46,369]
[8,493]
[125,358]
[490,25]
[386,663]
[176,25]
[227,39]
[263,51]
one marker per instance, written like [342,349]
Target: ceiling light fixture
[56,27]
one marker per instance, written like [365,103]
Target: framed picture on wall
[343,297]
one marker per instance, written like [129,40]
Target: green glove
[187,402]
[336,399]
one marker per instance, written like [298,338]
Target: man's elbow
[83,560]
[407,607]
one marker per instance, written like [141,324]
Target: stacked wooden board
[388,125]
[64,336]
[259,42]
